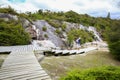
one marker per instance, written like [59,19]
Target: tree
[72,16]
[114,39]
[108,16]
[40,11]
[70,39]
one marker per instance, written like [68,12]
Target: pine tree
[108,16]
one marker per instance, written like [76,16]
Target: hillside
[61,28]
[65,40]
[54,30]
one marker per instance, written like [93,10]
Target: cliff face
[60,40]
[28,26]
[35,29]
[49,34]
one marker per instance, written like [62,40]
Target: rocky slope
[55,35]
[49,33]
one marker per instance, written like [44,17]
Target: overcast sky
[91,7]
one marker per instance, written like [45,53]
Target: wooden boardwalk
[63,52]
[21,64]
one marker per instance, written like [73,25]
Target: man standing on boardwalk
[78,41]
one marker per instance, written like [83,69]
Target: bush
[70,39]
[76,33]
[115,49]
[63,26]
[114,39]
[101,73]
[12,33]
[44,28]
[45,35]
[55,25]
[58,31]
[8,10]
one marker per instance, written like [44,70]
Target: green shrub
[114,39]
[70,39]
[76,33]
[12,33]
[45,35]
[101,73]
[53,23]
[44,28]
[8,10]
[115,49]
[63,26]
[58,31]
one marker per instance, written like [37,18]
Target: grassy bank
[59,66]
[3,56]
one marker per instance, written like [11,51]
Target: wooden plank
[28,76]
[21,64]
[13,75]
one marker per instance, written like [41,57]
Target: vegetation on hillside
[114,39]
[107,27]
[12,33]
[76,33]
[8,10]
[102,24]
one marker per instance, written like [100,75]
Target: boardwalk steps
[70,52]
